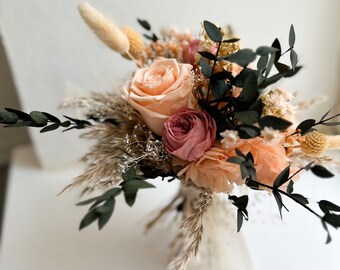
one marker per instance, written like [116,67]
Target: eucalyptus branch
[286,194]
[212,71]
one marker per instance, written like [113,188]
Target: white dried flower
[271,136]
[230,138]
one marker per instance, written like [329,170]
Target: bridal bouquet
[199,109]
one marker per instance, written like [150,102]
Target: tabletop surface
[40,229]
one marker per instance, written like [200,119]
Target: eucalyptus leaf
[105,216]
[291,36]
[89,218]
[213,32]
[130,174]
[205,68]
[300,198]
[22,115]
[250,87]
[231,40]
[242,57]
[247,117]
[8,117]
[51,127]
[290,187]
[248,131]
[51,117]
[274,122]
[208,55]
[145,24]
[305,126]
[276,44]
[293,59]
[239,220]
[321,171]
[278,199]
[39,118]
[219,88]
[235,160]
[265,50]
[262,63]
[282,178]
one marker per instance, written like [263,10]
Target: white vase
[221,247]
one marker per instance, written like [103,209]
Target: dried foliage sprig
[194,228]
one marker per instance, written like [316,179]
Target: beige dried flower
[315,143]
[271,136]
[105,29]
[136,43]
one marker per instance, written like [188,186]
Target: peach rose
[269,160]
[189,133]
[213,171]
[159,91]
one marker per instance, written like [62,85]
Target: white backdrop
[51,50]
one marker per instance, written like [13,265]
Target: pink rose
[159,91]
[213,171]
[189,134]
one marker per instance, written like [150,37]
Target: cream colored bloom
[230,138]
[271,136]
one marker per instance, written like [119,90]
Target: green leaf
[130,174]
[270,64]
[135,185]
[247,117]
[250,87]
[265,50]
[208,55]
[20,124]
[325,115]
[206,69]
[65,124]
[231,40]
[293,59]
[50,128]
[235,160]
[271,80]
[51,117]
[39,118]
[145,24]
[290,187]
[278,199]
[332,219]
[8,117]
[219,88]
[329,238]
[239,220]
[22,115]
[321,171]
[242,202]
[113,192]
[282,177]
[213,32]
[274,122]
[244,170]
[89,218]
[281,68]
[327,206]
[247,131]
[276,44]
[291,36]
[105,216]
[300,198]
[242,57]
[305,126]
[262,62]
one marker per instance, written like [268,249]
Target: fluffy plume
[105,29]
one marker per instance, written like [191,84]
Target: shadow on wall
[9,138]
